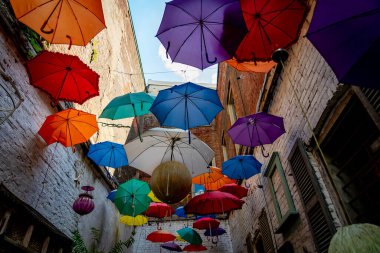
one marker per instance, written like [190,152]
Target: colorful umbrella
[163,144]
[213,216]
[180,212]
[213,202]
[215,232]
[190,235]
[211,176]
[68,127]
[206,223]
[153,197]
[234,189]
[108,154]
[132,197]
[194,248]
[159,210]
[62,22]
[251,66]
[161,236]
[241,167]
[139,220]
[63,77]
[111,195]
[202,33]
[219,183]
[346,34]
[171,246]
[272,24]
[257,130]
[186,106]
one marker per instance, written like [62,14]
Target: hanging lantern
[171,182]
[84,204]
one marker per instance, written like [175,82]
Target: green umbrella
[190,235]
[127,106]
[132,197]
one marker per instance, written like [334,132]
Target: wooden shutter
[266,233]
[318,215]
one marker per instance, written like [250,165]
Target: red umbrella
[161,236]
[63,77]
[234,189]
[206,223]
[194,248]
[272,24]
[213,202]
[159,210]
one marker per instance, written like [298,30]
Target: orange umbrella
[62,21]
[251,66]
[69,127]
[219,183]
[210,177]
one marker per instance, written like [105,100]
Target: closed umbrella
[108,154]
[241,167]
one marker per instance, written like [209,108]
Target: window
[266,235]
[231,110]
[286,212]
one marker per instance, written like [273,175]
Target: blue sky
[146,15]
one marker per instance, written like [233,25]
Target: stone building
[39,183]
[323,173]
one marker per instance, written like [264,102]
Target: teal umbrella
[132,197]
[128,106]
[190,235]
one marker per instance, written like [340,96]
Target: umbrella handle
[247,185]
[208,59]
[214,241]
[263,152]
[42,29]
[167,50]
[69,37]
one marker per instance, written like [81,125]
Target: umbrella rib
[77,86]
[76,20]
[176,26]
[171,109]
[77,130]
[205,18]
[144,151]
[199,109]
[181,95]
[182,9]
[183,43]
[205,100]
[90,12]
[49,75]
[56,24]
[26,13]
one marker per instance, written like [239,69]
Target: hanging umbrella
[190,235]
[257,130]
[213,202]
[180,212]
[159,210]
[153,197]
[215,232]
[162,144]
[219,183]
[139,220]
[171,246]
[62,22]
[213,216]
[206,223]
[194,248]
[234,189]
[272,24]
[111,195]
[108,154]
[252,66]
[63,77]
[132,197]
[161,236]
[201,33]
[346,34]
[241,167]
[128,106]
[68,127]
[186,106]
[211,176]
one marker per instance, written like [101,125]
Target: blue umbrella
[241,167]
[180,212]
[197,217]
[186,106]
[111,195]
[108,154]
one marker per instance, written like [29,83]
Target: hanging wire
[151,73]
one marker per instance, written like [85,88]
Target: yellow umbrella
[153,197]
[139,220]
[179,238]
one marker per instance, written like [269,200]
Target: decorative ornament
[84,204]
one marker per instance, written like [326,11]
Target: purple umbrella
[214,232]
[201,33]
[257,130]
[347,34]
[171,246]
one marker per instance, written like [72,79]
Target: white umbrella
[163,144]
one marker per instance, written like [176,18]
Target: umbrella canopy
[206,223]
[190,235]
[213,202]
[252,66]
[180,212]
[162,144]
[171,246]
[159,210]
[219,183]
[234,189]
[63,77]
[197,217]
[272,24]
[139,220]
[194,248]
[111,195]
[161,236]
[215,232]
[132,197]
[68,127]
[241,167]
[211,176]
[186,106]
[201,33]
[346,34]
[62,22]
[153,197]
[108,154]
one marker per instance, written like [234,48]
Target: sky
[147,15]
